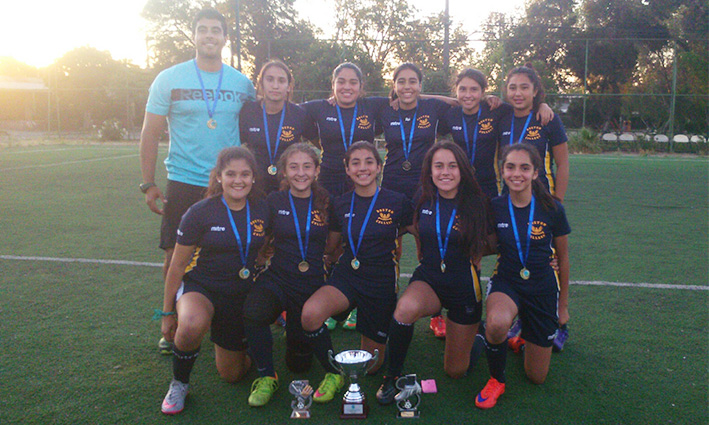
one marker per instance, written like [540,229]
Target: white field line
[69,162]
[403,275]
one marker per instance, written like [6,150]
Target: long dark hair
[357,71]
[225,157]
[321,199]
[406,65]
[536,82]
[538,189]
[473,205]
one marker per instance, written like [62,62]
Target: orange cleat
[516,344]
[487,398]
[438,326]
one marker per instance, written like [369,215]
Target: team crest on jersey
[485,126]
[538,230]
[257,227]
[287,133]
[533,133]
[363,122]
[317,219]
[424,121]
[456,223]
[385,216]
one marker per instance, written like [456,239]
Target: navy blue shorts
[459,291]
[180,197]
[538,313]
[374,314]
[227,329]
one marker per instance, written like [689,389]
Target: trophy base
[408,414]
[354,411]
[300,414]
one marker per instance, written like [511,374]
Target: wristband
[158,314]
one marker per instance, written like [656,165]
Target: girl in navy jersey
[351,118]
[525,92]
[212,272]
[272,123]
[451,224]
[368,220]
[531,227]
[298,223]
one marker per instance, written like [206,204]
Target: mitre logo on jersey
[485,126]
[533,133]
[333,119]
[316,219]
[218,229]
[424,121]
[254,129]
[538,230]
[363,122]
[385,216]
[283,212]
[257,227]
[287,133]
[427,212]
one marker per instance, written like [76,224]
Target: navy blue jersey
[391,212]
[324,115]
[456,259]
[253,134]
[428,113]
[545,227]
[285,239]
[544,138]
[484,157]
[216,261]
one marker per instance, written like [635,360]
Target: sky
[58,27]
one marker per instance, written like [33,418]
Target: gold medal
[355,263]
[524,273]
[212,123]
[443,266]
[406,166]
[244,273]
[272,170]
[303,266]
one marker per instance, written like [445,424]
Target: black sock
[321,343]
[261,349]
[400,335]
[497,359]
[182,363]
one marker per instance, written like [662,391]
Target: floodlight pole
[446,47]
[238,36]
[674,97]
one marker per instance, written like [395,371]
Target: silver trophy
[409,396]
[353,363]
[303,393]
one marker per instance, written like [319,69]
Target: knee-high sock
[261,348]
[496,359]
[320,342]
[182,363]
[400,336]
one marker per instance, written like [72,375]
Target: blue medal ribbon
[522,258]
[272,157]
[471,154]
[303,246]
[443,246]
[407,146]
[364,223]
[342,126]
[204,92]
[512,129]
[243,253]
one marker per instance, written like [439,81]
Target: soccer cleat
[174,401]
[262,390]
[351,322]
[438,326]
[387,391]
[281,320]
[487,398]
[329,386]
[516,344]
[165,347]
[331,324]
[562,335]
[515,329]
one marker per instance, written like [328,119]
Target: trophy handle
[373,361]
[331,359]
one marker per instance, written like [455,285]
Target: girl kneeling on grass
[531,227]
[211,273]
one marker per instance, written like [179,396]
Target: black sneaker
[387,391]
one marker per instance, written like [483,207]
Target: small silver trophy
[303,393]
[353,363]
[408,398]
